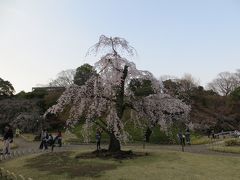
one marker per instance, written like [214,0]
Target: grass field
[159,164]
[223,147]
[199,139]
[227,149]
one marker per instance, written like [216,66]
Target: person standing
[49,140]
[209,133]
[98,139]
[17,132]
[7,139]
[187,134]
[58,138]
[213,134]
[148,134]
[181,138]
[44,138]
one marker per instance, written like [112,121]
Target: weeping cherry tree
[103,99]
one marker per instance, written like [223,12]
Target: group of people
[48,140]
[184,138]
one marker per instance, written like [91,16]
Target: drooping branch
[114,51]
[105,124]
[113,45]
[102,127]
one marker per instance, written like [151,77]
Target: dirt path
[23,144]
[198,149]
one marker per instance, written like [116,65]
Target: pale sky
[39,38]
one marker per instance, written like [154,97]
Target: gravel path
[23,144]
[199,149]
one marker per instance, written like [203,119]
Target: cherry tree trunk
[114,145]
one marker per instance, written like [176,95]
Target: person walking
[181,138]
[213,134]
[187,134]
[98,139]
[58,138]
[7,139]
[44,138]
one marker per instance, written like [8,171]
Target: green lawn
[227,149]
[224,147]
[197,139]
[159,164]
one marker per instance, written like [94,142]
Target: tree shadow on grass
[63,163]
[105,154]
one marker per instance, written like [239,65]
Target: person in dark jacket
[98,139]
[7,139]
[187,134]
[181,138]
[58,138]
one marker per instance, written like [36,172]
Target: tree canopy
[225,83]
[236,94]
[64,78]
[83,73]
[141,87]
[6,88]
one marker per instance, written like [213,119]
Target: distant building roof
[48,88]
